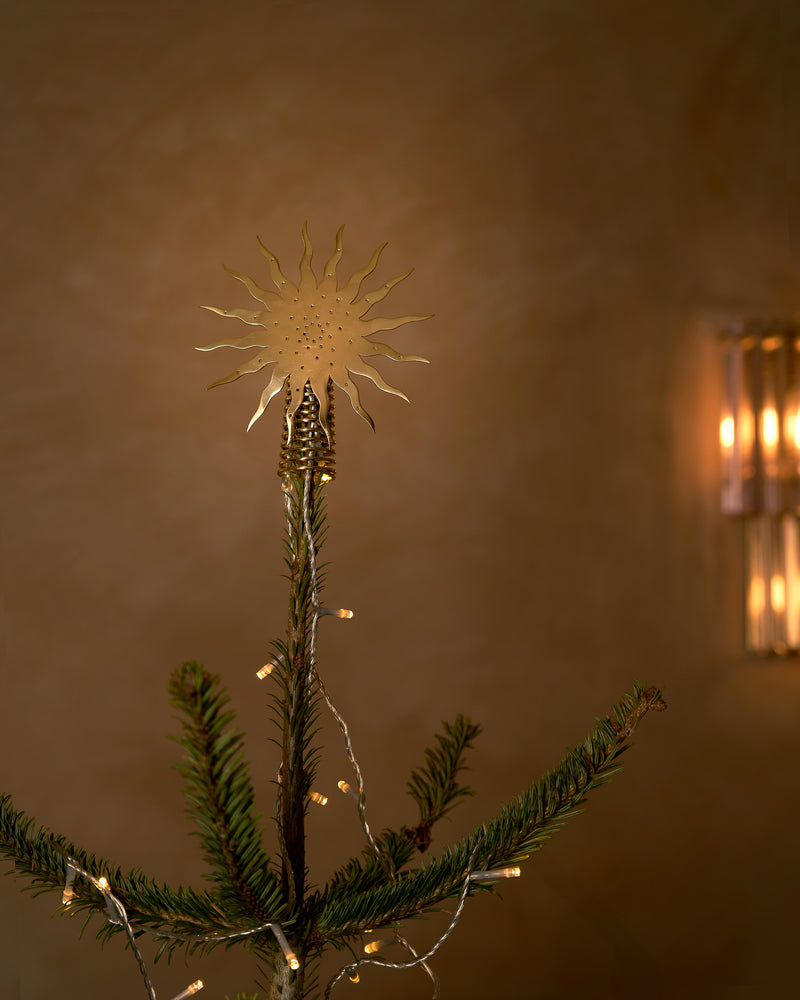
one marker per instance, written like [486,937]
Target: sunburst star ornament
[314,333]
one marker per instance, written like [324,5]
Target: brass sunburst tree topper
[316,335]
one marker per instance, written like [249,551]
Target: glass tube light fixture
[759,436]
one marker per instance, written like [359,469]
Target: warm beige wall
[581,187]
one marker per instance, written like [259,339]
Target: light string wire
[117,914]
[410,949]
[383,860]
[420,959]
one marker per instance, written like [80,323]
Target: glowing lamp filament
[348,790]
[190,990]
[727,432]
[373,946]
[496,873]
[769,429]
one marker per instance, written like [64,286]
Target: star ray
[366,369]
[307,277]
[249,316]
[276,383]
[278,276]
[248,368]
[240,343]
[369,300]
[353,286]
[329,271]
[383,323]
[319,386]
[390,352]
[255,290]
[352,391]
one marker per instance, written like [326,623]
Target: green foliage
[435,790]
[434,787]
[219,794]
[521,828]
[40,857]
[367,892]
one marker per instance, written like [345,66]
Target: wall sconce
[759,435]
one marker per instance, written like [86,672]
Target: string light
[190,990]
[373,946]
[118,915]
[348,790]
[418,959]
[495,873]
[269,666]
[291,958]
[355,978]
[69,892]
[319,798]
[336,612]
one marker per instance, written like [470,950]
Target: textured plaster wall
[583,189]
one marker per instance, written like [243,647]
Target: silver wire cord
[384,862]
[409,948]
[421,959]
[121,917]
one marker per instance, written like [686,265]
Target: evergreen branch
[522,827]
[40,857]
[435,790]
[220,797]
[434,787]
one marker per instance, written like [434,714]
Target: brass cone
[309,448]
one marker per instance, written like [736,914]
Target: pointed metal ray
[366,369]
[249,316]
[380,323]
[352,391]
[369,300]
[307,277]
[292,407]
[329,271]
[255,290]
[353,286]
[240,343]
[390,352]
[319,387]
[278,276]
[248,368]
[276,383]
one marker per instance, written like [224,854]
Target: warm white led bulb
[355,978]
[373,946]
[336,612]
[102,884]
[290,956]
[319,798]
[270,665]
[190,990]
[348,790]
[496,873]
[69,892]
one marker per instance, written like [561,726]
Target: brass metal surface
[314,333]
